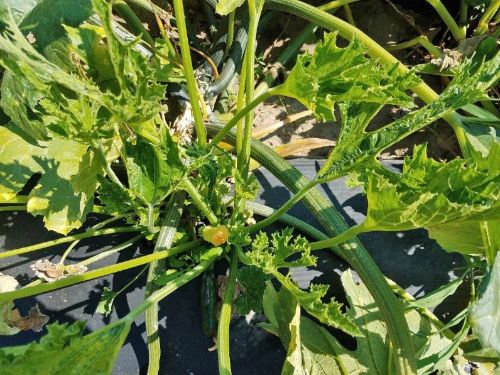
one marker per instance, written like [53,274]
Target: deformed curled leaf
[334,74]
[271,256]
[430,194]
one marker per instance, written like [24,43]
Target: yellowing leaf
[64,193]
[17,163]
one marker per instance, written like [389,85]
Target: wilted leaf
[48,271]
[7,284]
[35,320]
[322,354]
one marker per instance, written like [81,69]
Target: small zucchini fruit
[209,302]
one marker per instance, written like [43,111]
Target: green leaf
[273,256]
[224,7]
[148,171]
[322,354]
[17,163]
[253,282]
[105,305]
[358,146]
[481,135]
[64,350]
[438,295]
[485,312]
[19,9]
[140,94]
[429,193]
[64,194]
[334,74]
[465,237]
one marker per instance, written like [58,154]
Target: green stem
[173,213]
[339,239]
[230,32]
[332,23]
[348,14]
[244,156]
[485,19]
[199,202]
[225,318]
[284,208]
[13,208]
[239,106]
[18,199]
[109,171]
[57,241]
[352,251]
[423,41]
[490,248]
[241,114]
[457,31]
[173,285]
[201,133]
[111,251]
[100,225]
[94,274]
[464,8]
[287,219]
[134,22]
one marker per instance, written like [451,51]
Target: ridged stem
[352,251]
[168,228]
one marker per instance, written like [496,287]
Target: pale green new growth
[271,257]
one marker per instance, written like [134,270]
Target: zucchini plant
[116,122]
